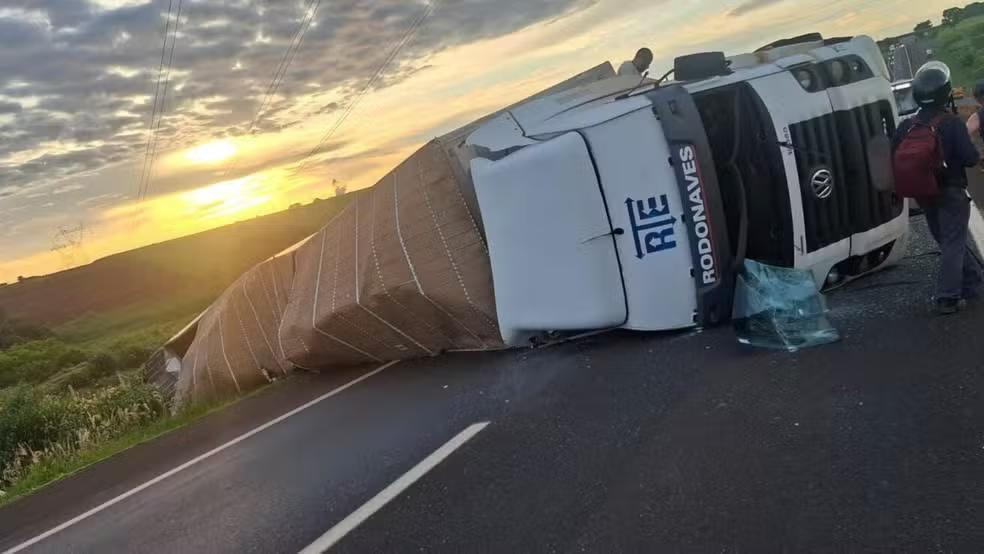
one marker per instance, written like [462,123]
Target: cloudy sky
[77,83]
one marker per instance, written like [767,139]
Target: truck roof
[597,101]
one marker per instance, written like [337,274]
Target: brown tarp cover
[402,272]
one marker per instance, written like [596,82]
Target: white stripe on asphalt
[374,504]
[977,228]
[194,461]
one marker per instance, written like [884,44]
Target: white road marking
[977,227]
[374,504]
[194,461]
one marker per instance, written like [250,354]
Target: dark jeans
[948,217]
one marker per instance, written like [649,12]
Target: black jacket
[959,152]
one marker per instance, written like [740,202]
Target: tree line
[952,16]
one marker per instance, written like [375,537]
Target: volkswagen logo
[822,182]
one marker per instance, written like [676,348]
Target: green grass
[76,396]
[73,395]
[35,361]
[961,47]
[86,352]
[55,469]
[152,321]
[54,362]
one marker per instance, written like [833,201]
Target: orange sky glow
[240,177]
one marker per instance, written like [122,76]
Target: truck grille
[837,143]
[750,170]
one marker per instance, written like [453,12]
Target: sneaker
[947,306]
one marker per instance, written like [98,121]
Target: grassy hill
[81,328]
[160,282]
[72,343]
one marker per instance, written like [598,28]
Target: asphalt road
[618,443]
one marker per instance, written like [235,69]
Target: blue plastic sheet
[780,308]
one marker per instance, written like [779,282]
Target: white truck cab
[632,205]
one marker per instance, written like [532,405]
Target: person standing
[974,126]
[638,65]
[931,154]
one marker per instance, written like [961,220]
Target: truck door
[864,120]
[805,134]
[835,117]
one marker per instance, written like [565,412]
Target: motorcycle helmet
[932,86]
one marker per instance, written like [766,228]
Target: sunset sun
[211,153]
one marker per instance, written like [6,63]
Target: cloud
[84,77]
[77,78]
[9,107]
[750,6]
[59,13]
[67,188]
[101,199]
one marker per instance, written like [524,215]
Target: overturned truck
[610,201]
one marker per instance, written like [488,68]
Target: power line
[411,31]
[281,72]
[160,114]
[68,243]
[292,49]
[407,36]
[157,94]
[163,75]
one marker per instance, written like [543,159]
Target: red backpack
[918,161]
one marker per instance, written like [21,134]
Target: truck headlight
[806,79]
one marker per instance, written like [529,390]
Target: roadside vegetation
[38,428]
[81,355]
[961,46]
[958,41]
[75,394]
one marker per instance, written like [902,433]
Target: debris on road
[780,308]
